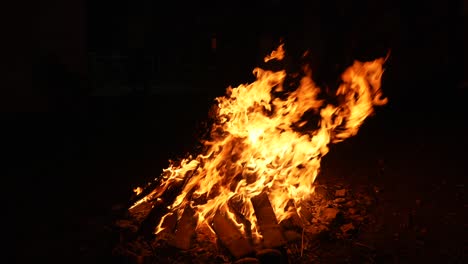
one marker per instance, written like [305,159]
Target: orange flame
[256,145]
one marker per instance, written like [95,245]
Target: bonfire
[259,164]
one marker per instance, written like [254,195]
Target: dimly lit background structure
[119,88]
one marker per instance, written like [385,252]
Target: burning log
[185,230]
[168,225]
[231,236]
[267,222]
[159,209]
[140,193]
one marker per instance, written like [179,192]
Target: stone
[357,218]
[321,192]
[352,211]
[339,200]
[269,256]
[340,193]
[347,227]
[292,235]
[305,212]
[329,214]
[247,261]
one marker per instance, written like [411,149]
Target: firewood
[185,230]
[159,209]
[168,226]
[160,205]
[145,191]
[230,236]
[267,222]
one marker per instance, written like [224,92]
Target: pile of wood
[333,212]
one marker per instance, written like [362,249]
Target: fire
[261,143]
[138,190]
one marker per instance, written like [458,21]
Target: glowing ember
[260,143]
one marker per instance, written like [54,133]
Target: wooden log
[235,205]
[148,225]
[146,190]
[168,225]
[230,236]
[160,209]
[267,222]
[185,230]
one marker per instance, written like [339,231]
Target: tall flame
[259,142]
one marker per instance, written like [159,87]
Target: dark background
[119,88]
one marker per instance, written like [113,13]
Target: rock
[321,192]
[329,214]
[350,204]
[247,261]
[339,200]
[269,256]
[367,201]
[347,227]
[340,193]
[305,213]
[352,211]
[313,232]
[292,235]
[357,218]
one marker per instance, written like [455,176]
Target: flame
[138,190]
[260,143]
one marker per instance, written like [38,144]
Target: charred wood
[185,230]
[159,209]
[267,222]
[230,236]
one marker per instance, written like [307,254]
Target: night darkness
[118,89]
